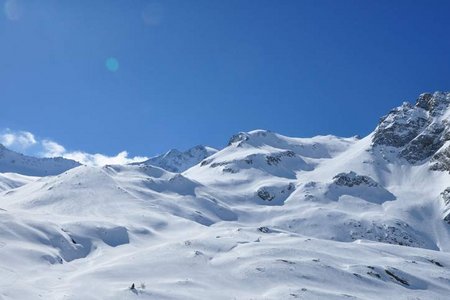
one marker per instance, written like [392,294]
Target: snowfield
[266,217]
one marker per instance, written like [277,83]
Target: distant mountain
[13,162]
[266,217]
[177,161]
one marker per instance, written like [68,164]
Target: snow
[266,217]
[176,161]
[13,162]
[13,180]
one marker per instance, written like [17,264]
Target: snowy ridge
[14,162]
[176,161]
[266,217]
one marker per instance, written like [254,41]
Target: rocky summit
[418,131]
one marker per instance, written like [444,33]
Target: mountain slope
[266,217]
[14,162]
[176,161]
[12,180]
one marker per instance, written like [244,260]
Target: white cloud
[101,159]
[52,149]
[17,140]
[26,142]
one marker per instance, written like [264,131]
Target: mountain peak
[435,103]
[254,137]
[419,131]
[177,161]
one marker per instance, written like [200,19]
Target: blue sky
[146,76]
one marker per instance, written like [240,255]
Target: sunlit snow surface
[267,217]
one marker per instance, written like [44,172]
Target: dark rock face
[447,218]
[271,193]
[352,179]
[446,198]
[253,138]
[425,101]
[396,233]
[276,158]
[441,160]
[237,138]
[360,186]
[426,144]
[265,195]
[400,126]
[434,103]
[264,229]
[418,132]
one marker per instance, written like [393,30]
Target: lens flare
[12,10]
[112,64]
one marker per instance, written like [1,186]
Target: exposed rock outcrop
[418,131]
[446,198]
[351,179]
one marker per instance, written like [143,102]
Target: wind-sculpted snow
[242,263]
[266,217]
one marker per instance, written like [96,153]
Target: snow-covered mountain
[266,217]
[177,161]
[418,132]
[14,162]
[17,169]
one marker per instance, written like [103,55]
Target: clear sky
[145,76]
